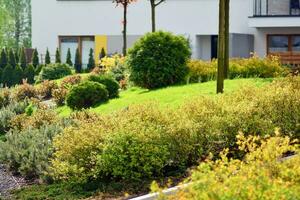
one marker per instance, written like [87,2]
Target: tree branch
[157,4]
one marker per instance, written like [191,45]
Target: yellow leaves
[110,62]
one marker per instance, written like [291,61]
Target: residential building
[261,26]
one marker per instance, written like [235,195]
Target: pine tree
[3,59]
[69,58]
[102,53]
[47,58]
[57,56]
[11,58]
[23,62]
[35,59]
[18,75]
[91,63]
[29,73]
[78,65]
[8,78]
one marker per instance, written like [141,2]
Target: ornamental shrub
[71,80]
[78,63]
[3,58]
[47,57]
[69,58]
[86,95]
[35,59]
[111,85]
[54,71]
[46,88]
[263,174]
[91,65]
[59,95]
[8,76]
[23,61]
[158,60]
[24,91]
[29,74]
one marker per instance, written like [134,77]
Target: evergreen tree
[47,58]
[23,62]
[35,59]
[91,63]
[11,58]
[102,53]
[17,57]
[69,58]
[77,65]
[29,74]
[57,56]
[3,59]
[18,75]
[8,78]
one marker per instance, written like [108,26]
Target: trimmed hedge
[54,71]
[86,95]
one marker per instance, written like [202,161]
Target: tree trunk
[153,15]
[221,47]
[227,19]
[125,30]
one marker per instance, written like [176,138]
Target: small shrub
[46,88]
[24,91]
[71,80]
[158,60]
[5,97]
[28,152]
[86,95]
[261,175]
[54,71]
[111,85]
[59,95]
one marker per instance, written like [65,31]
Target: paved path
[8,182]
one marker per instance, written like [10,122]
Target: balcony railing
[276,8]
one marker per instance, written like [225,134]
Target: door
[214,46]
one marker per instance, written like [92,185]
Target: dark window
[296,43]
[278,43]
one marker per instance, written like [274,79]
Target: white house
[261,26]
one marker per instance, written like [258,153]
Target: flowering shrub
[201,71]
[109,63]
[71,80]
[59,95]
[24,91]
[263,174]
[46,88]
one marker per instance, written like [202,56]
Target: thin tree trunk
[221,47]
[125,30]
[227,21]
[153,15]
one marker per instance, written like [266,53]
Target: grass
[171,96]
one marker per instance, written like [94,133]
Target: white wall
[52,18]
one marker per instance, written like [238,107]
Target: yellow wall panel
[100,42]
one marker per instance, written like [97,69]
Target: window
[278,43]
[84,43]
[283,43]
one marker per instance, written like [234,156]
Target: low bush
[5,97]
[111,85]
[71,80]
[261,175]
[86,95]
[145,142]
[269,67]
[54,71]
[46,88]
[24,91]
[59,95]
[158,60]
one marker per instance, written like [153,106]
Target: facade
[261,26]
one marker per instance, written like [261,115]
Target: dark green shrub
[57,56]
[159,60]
[47,58]
[23,61]
[69,58]
[8,76]
[102,53]
[3,59]
[111,85]
[86,95]
[29,74]
[18,74]
[11,58]
[78,64]
[54,71]
[35,59]
[91,65]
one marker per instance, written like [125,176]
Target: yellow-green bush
[263,174]
[143,141]
[201,71]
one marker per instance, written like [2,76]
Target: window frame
[290,43]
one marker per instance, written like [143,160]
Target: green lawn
[170,96]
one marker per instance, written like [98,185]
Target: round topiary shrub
[86,95]
[159,59]
[111,84]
